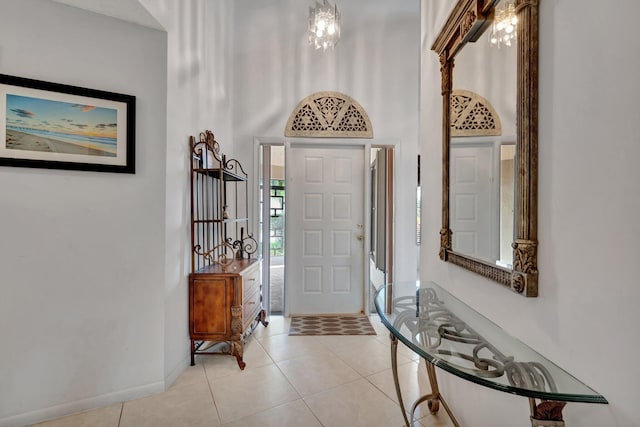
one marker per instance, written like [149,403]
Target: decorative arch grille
[329,115]
[473,115]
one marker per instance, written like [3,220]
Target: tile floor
[297,381]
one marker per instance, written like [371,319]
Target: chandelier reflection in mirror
[324,25]
[503,30]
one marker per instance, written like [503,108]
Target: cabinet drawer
[250,282]
[250,308]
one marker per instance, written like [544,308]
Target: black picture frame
[57,126]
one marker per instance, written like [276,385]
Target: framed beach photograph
[56,126]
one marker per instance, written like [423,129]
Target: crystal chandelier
[504,27]
[324,25]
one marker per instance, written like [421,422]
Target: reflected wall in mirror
[489,129]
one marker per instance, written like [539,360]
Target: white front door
[324,231]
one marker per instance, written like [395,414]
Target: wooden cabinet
[225,304]
[225,291]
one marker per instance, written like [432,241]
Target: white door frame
[255,195]
[367,144]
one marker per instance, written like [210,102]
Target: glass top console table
[448,334]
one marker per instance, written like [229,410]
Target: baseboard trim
[100,401]
[176,372]
[82,405]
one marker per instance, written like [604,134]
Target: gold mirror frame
[466,23]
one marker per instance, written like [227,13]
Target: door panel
[324,229]
[473,215]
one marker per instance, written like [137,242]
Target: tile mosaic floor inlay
[331,325]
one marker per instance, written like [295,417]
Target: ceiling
[127,10]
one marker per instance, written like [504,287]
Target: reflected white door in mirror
[481,198]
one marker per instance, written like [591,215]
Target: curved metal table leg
[434,398]
[394,368]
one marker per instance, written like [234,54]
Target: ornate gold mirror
[465,26]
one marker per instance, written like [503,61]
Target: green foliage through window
[276,238]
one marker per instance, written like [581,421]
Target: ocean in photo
[107,145]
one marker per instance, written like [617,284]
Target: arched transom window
[329,115]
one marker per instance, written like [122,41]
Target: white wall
[376,62]
[199,83]
[586,316]
[82,253]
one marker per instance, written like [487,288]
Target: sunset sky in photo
[62,117]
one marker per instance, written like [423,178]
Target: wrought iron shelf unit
[225,291]
[219,206]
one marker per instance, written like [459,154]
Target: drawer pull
[251,302]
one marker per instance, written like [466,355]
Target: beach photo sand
[24,141]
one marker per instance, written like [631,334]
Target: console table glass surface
[449,334]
